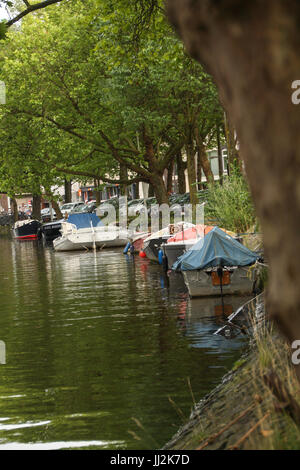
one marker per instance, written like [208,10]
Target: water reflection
[94,340]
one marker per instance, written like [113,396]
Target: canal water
[103,351]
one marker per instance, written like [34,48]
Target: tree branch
[30,9]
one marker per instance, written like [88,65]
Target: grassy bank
[252,408]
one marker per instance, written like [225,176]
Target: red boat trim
[28,237]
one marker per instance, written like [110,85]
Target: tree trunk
[97,192]
[56,209]
[15,209]
[123,176]
[181,166]
[36,207]
[252,51]
[199,170]
[137,190]
[203,158]
[160,189]
[220,156]
[156,178]
[68,191]
[151,192]
[191,168]
[170,178]
[205,163]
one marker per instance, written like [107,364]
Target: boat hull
[27,230]
[138,242]
[199,283]
[51,231]
[90,241]
[64,244]
[174,250]
[152,247]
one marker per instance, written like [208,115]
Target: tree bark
[205,163]
[230,141]
[191,168]
[253,55]
[160,189]
[15,209]
[68,191]
[56,209]
[156,172]
[220,156]
[181,166]
[97,191]
[151,190]
[170,177]
[199,170]
[36,207]
[123,176]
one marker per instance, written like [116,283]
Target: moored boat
[86,231]
[216,265]
[27,229]
[154,242]
[137,240]
[183,241]
[51,230]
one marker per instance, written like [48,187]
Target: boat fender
[160,257]
[126,249]
[142,254]
[131,249]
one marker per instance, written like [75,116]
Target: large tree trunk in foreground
[252,49]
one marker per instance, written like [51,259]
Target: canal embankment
[256,406]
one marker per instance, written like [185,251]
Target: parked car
[46,214]
[70,207]
[89,207]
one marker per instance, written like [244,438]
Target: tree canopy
[90,94]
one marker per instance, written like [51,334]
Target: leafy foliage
[231,204]
[88,94]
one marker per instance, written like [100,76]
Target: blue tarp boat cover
[216,249]
[84,220]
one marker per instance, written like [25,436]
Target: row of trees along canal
[105,94]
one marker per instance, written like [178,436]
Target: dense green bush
[230,205]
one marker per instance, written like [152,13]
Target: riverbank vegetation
[255,408]
[231,204]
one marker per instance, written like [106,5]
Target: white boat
[86,231]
